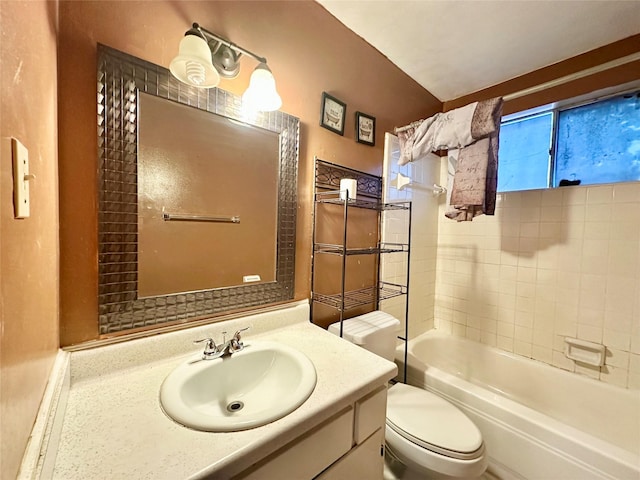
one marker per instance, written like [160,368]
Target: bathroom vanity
[105,419]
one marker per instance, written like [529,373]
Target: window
[524,149]
[591,142]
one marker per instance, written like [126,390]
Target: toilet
[426,436]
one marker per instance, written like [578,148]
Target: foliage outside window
[592,142]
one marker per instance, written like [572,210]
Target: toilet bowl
[429,436]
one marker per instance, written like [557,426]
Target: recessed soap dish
[585,352]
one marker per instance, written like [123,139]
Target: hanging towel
[453,129]
[475,178]
[405,138]
[452,164]
[470,133]
[415,141]
[441,131]
[486,118]
[473,189]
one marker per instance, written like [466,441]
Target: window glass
[599,142]
[524,153]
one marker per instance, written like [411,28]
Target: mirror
[136,241]
[207,189]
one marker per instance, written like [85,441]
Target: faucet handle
[236,342]
[236,335]
[210,347]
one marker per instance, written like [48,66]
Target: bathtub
[538,422]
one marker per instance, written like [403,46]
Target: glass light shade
[261,94]
[193,64]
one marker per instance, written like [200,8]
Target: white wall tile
[506,343]
[626,192]
[551,197]
[574,196]
[599,212]
[423,243]
[597,230]
[600,194]
[522,348]
[549,264]
[588,370]
[615,376]
[617,358]
[566,262]
[590,333]
[542,354]
[559,360]
[618,340]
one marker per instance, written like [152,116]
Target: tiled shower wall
[424,236]
[550,264]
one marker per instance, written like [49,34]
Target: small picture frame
[332,114]
[365,129]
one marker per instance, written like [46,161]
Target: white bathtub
[538,422]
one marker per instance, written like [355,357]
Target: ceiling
[456,47]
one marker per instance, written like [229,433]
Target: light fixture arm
[207,35]
[204,57]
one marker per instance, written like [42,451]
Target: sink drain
[235,406]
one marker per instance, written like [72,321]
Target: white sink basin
[253,387]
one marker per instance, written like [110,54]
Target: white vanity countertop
[114,427]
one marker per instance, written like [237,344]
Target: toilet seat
[429,434]
[426,462]
[431,422]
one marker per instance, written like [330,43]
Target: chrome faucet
[213,351]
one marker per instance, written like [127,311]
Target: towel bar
[168,217]
[401,182]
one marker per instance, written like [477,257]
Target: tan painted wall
[309,52]
[28,247]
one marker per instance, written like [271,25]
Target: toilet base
[394,469]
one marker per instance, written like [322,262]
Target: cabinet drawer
[310,454]
[366,461]
[371,412]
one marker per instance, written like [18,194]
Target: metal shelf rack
[369,196]
[340,250]
[363,296]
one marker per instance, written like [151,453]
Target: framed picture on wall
[332,114]
[365,129]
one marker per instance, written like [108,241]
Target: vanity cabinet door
[365,461]
[309,455]
[371,413]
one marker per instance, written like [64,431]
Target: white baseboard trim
[38,460]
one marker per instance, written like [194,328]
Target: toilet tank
[375,331]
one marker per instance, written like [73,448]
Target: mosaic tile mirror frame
[120,78]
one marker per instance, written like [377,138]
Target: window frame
[555,108]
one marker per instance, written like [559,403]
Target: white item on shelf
[348,188]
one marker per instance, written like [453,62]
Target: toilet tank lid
[357,329]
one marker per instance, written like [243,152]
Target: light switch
[21,178]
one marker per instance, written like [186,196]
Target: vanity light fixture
[204,57]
